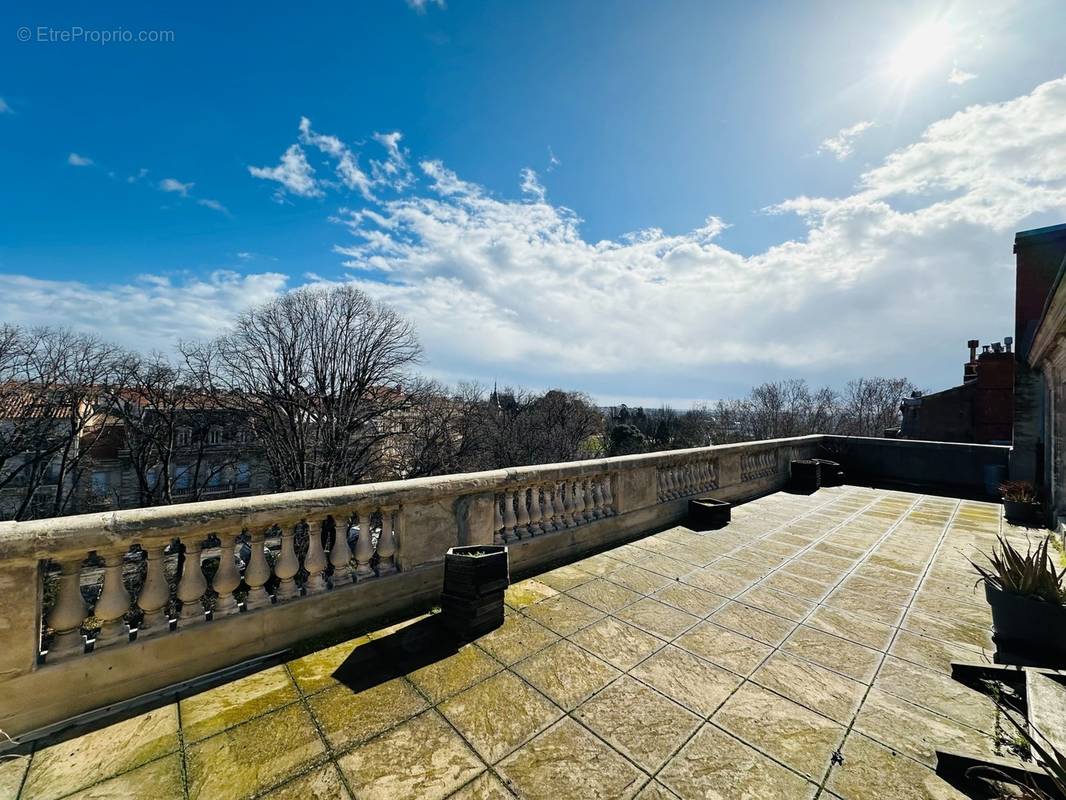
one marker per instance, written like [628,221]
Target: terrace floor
[803,651]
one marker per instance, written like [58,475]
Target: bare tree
[320,374]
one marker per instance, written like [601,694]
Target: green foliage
[1030,575]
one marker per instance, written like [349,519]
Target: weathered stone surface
[485,786]
[422,758]
[566,673]
[698,602]
[315,671]
[323,783]
[810,685]
[643,724]
[210,712]
[346,716]
[566,761]
[158,780]
[691,681]
[753,623]
[873,771]
[255,756]
[854,627]
[72,765]
[724,647]
[563,614]
[499,714]
[715,766]
[518,638]
[442,679]
[604,595]
[837,654]
[618,643]
[657,618]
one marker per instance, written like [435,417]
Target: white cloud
[214,205]
[137,176]
[176,186]
[421,5]
[5,108]
[843,144]
[294,173]
[959,76]
[892,278]
[79,161]
[150,312]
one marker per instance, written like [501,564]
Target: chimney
[1007,342]
[972,344]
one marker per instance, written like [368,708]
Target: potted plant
[708,514]
[1020,502]
[475,577]
[1027,597]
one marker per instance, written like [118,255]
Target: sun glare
[923,49]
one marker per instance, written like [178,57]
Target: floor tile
[499,714]
[716,766]
[12,771]
[604,595]
[347,717]
[810,685]
[784,605]
[323,783]
[563,578]
[753,623]
[485,786]
[566,673]
[657,618]
[655,791]
[871,770]
[639,580]
[794,735]
[68,766]
[695,601]
[643,724]
[210,712]
[451,675]
[691,681]
[853,627]
[315,671]
[937,692]
[566,761]
[719,581]
[158,780]
[724,647]
[518,638]
[254,756]
[950,631]
[935,654]
[618,643]
[526,593]
[422,758]
[915,731]
[563,614]
[837,654]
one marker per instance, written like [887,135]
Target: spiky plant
[1030,575]
[1018,491]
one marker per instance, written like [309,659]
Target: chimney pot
[1007,342]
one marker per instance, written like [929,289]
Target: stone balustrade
[97,609]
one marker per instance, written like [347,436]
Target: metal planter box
[708,514]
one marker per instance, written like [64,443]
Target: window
[184,437]
[215,480]
[101,482]
[214,436]
[243,475]
[182,478]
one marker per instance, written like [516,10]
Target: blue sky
[139,201]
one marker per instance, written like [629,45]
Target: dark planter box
[708,514]
[830,472]
[1031,629]
[1030,514]
[806,476]
[474,581]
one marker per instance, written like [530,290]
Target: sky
[647,202]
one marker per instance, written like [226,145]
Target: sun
[924,48]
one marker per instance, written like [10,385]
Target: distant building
[980,410]
[1039,453]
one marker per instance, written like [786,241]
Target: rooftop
[801,651]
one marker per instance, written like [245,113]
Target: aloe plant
[1018,491]
[1031,575]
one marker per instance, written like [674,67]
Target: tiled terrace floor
[803,651]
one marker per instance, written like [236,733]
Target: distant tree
[625,439]
[320,374]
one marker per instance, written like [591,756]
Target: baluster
[509,520]
[535,528]
[69,612]
[668,487]
[315,561]
[287,566]
[154,595]
[558,520]
[701,476]
[497,521]
[192,586]
[566,498]
[597,498]
[340,555]
[522,518]
[257,572]
[113,603]
[608,497]
[690,479]
[675,473]
[227,579]
[660,495]
[579,503]
[387,541]
[364,548]
[547,508]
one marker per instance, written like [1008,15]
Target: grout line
[851,725]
